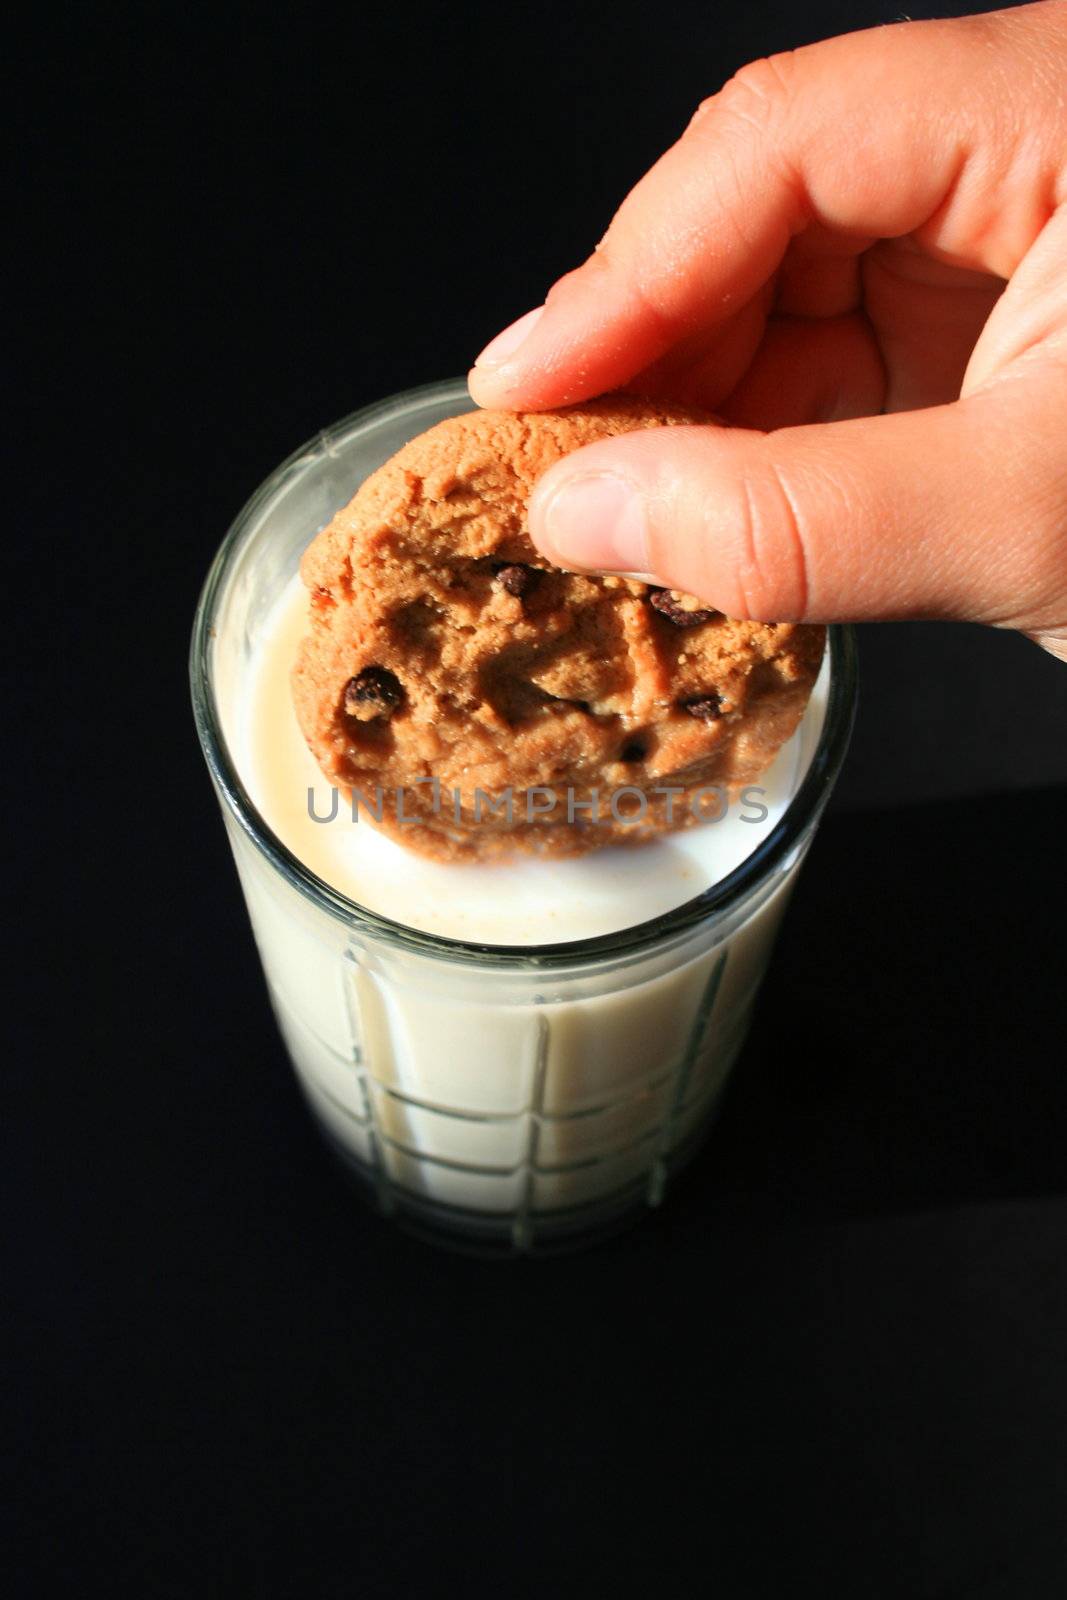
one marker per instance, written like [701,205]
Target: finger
[957,511]
[1029,317]
[816,136]
[705,369]
[927,317]
[810,370]
[820,274]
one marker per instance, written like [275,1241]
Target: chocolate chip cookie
[478,700]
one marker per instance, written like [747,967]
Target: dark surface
[834,1361]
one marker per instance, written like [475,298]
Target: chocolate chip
[374,692]
[663,601]
[705,707]
[516,579]
[634,751]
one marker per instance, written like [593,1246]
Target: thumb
[957,511]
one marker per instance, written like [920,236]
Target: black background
[834,1361]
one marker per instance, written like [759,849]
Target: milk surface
[524,901]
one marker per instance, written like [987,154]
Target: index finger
[897,130]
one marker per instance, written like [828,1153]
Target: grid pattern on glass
[519,1165]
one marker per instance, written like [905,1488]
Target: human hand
[860,249]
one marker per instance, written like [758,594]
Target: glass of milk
[512,1057]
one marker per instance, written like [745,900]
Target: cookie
[477,700]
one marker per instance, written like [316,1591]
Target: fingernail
[504,346]
[597,522]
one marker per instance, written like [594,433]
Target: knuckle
[772,555]
[728,526]
[756,95]
[705,110]
[761,92]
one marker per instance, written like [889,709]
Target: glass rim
[800,814]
